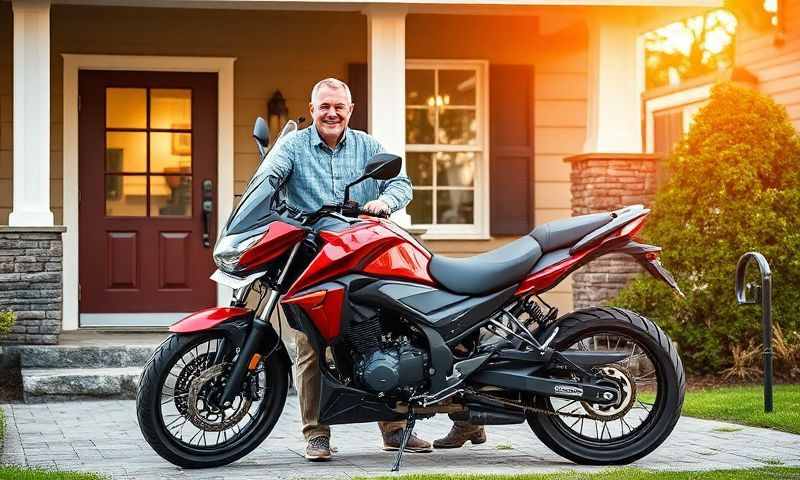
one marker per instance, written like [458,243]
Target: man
[319,162]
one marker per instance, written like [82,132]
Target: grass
[745,405]
[10,472]
[19,473]
[766,473]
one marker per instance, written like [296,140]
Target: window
[447,146]
[148,170]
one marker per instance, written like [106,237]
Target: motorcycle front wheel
[178,411]
[651,379]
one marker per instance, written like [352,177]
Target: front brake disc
[204,414]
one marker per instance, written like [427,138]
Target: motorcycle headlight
[230,249]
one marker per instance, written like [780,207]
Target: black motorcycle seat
[487,272]
[566,232]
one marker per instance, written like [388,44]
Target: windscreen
[255,206]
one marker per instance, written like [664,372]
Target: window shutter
[359,89]
[511,125]
[668,129]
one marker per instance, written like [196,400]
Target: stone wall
[603,182]
[31,282]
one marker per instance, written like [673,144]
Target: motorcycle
[404,334]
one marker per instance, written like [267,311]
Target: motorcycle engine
[384,361]
[391,367]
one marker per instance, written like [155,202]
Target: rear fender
[234,322]
[647,256]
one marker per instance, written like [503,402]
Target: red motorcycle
[404,334]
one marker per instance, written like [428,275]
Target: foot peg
[410,422]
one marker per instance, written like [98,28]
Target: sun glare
[689,48]
[679,36]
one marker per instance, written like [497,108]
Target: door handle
[208,209]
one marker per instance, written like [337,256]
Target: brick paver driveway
[104,437]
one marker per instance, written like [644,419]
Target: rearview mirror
[261,134]
[383,166]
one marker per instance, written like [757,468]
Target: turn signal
[254,362]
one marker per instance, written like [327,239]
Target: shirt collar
[317,140]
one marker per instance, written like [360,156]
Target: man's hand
[377,207]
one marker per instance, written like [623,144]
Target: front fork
[258,333]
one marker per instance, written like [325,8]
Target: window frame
[479,230]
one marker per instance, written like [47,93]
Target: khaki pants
[308,392]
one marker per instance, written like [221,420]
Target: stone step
[60,384]
[82,356]
[65,384]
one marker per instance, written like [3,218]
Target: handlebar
[350,210]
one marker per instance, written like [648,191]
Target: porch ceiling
[412,6]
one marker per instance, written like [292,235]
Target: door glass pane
[457,87]
[170,108]
[170,195]
[421,207]
[126,195]
[455,169]
[419,125]
[420,168]
[126,108]
[170,152]
[419,87]
[458,127]
[126,152]
[455,206]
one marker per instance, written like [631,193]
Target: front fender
[208,319]
[235,323]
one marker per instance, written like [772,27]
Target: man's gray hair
[333,83]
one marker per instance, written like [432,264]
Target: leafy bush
[7,320]
[734,186]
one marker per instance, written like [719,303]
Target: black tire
[168,447]
[666,410]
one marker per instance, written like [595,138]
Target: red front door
[148,162]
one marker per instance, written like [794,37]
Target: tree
[690,48]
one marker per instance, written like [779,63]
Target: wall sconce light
[277,113]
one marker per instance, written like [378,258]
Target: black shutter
[512,151]
[359,89]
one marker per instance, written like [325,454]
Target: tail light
[632,228]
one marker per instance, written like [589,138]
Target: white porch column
[386,34]
[31,204]
[616,81]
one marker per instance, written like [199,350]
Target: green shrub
[7,320]
[734,186]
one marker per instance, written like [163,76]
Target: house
[118,119]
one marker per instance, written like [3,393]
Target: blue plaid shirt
[318,174]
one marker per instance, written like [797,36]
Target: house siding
[777,67]
[266,45]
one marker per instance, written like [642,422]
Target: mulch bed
[10,385]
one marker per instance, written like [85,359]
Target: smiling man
[319,162]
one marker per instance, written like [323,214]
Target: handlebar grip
[361,211]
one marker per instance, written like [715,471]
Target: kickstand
[410,421]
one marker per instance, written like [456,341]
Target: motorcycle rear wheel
[560,432]
[170,360]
